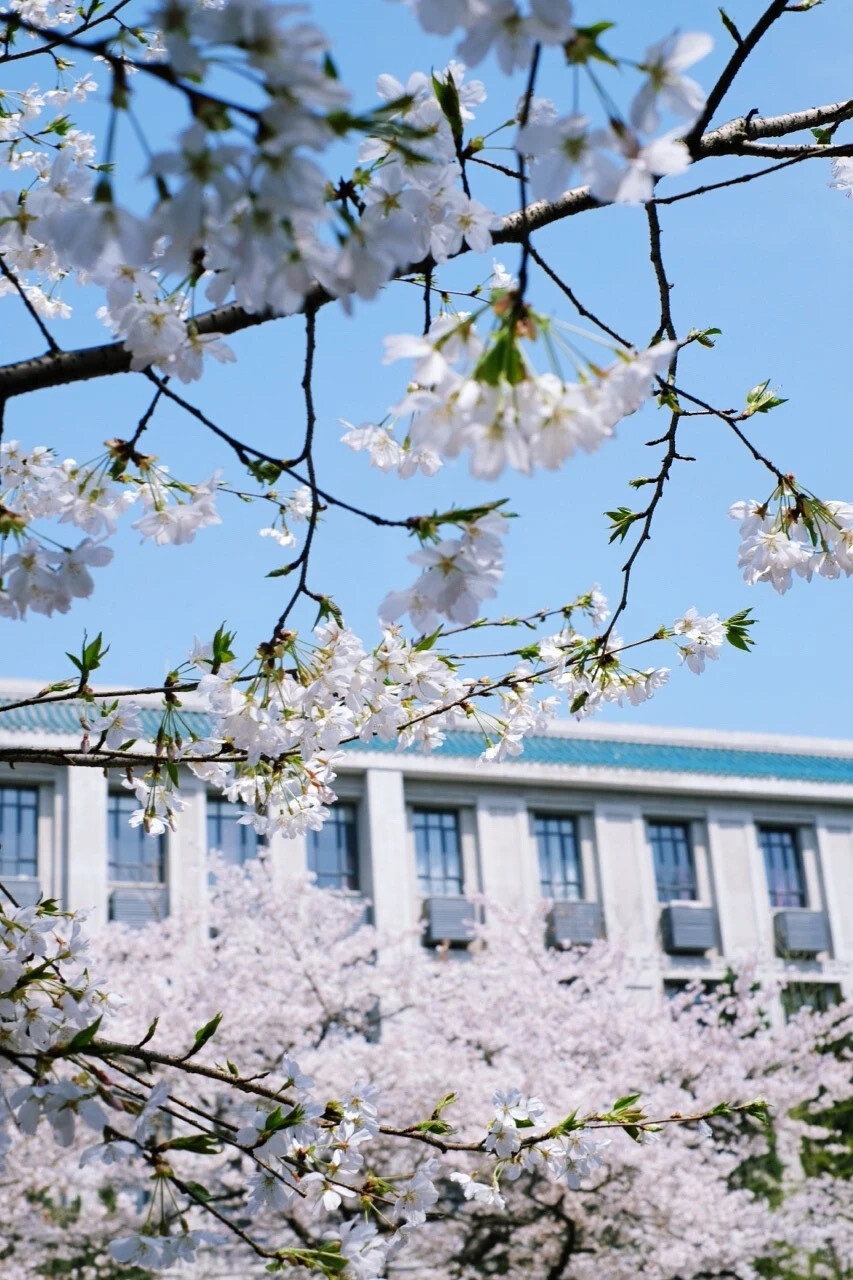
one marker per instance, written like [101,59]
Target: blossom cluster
[35,485]
[274,736]
[485,399]
[259,221]
[800,536]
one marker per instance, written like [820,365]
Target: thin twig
[11,276]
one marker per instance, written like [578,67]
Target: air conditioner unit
[801,932]
[137,907]
[26,890]
[448,919]
[687,929]
[573,923]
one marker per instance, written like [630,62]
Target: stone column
[83,841]
[390,880]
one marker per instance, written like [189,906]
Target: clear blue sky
[769,263]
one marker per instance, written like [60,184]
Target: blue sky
[769,263]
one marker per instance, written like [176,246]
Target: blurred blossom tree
[238,223]
[722,1197]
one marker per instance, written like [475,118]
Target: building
[690,849]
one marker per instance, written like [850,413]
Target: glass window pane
[819,996]
[675,872]
[333,850]
[133,856]
[19,831]
[559,859]
[783,865]
[437,851]
[234,841]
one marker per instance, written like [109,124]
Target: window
[19,831]
[136,866]
[783,865]
[819,996]
[437,851]
[559,862]
[134,857]
[673,858]
[234,841]
[333,850]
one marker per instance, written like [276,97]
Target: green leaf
[737,630]
[579,702]
[584,47]
[83,1038]
[762,400]
[427,642]
[202,1144]
[501,360]
[198,1191]
[448,99]
[571,1122]
[730,27]
[205,1033]
[443,1103]
[284,570]
[822,136]
[222,647]
[433,1126]
[622,1104]
[757,1108]
[149,1033]
[263,471]
[620,522]
[703,336]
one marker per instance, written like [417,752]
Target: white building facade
[690,850]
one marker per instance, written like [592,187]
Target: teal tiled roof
[574,752]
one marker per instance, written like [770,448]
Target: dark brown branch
[574,300]
[66,367]
[741,52]
[666,328]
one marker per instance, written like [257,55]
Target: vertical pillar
[629,899]
[507,855]
[835,844]
[83,841]
[744,916]
[186,854]
[391,882]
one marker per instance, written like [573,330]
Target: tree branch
[730,71]
[735,138]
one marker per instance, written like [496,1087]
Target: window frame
[773,893]
[343,816]
[18,789]
[216,810]
[571,836]
[664,886]
[156,843]
[452,885]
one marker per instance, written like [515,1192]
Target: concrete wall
[500,855]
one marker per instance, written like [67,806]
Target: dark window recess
[560,875]
[673,987]
[819,996]
[437,851]
[19,831]
[133,856]
[333,850]
[783,865]
[675,872]
[234,841]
